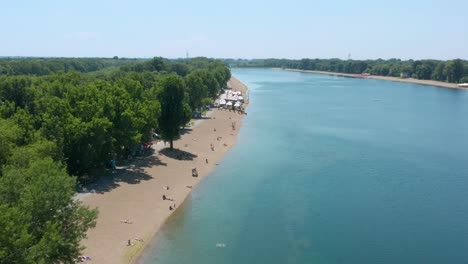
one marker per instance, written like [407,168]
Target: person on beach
[206,161]
[164,197]
[129,243]
[170,208]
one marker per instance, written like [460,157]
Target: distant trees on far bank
[453,71]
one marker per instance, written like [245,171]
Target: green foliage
[9,137]
[173,113]
[196,89]
[40,221]
[93,111]
[72,116]
[449,71]
[186,116]
[16,90]
[45,66]
[21,157]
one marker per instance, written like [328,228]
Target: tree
[196,89]
[210,81]
[40,220]
[9,137]
[457,70]
[171,98]
[439,73]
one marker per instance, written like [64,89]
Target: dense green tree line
[104,115]
[73,123]
[44,66]
[454,71]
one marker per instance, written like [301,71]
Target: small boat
[464,85]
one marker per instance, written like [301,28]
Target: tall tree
[171,98]
[196,89]
[40,220]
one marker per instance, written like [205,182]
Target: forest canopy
[62,120]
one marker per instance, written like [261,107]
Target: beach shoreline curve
[132,211]
[378,77]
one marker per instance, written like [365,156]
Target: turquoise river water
[332,170]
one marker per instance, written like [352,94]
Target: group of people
[164,197]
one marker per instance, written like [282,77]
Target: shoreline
[135,193]
[386,78]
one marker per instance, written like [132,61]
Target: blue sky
[236,29]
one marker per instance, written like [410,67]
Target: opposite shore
[130,202]
[387,78]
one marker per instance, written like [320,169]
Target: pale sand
[394,79]
[136,194]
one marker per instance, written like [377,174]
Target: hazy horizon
[260,29]
[218,58]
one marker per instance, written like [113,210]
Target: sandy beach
[130,200]
[387,78]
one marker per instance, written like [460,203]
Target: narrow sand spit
[130,200]
[387,78]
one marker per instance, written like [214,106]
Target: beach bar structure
[230,100]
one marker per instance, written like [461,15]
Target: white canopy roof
[222,102]
[229,103]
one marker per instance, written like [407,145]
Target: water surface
[332,170]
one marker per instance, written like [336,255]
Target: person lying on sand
[164,197]
[189,186]
[126,221]
[139,239]
[84,259]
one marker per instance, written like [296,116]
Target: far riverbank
[387,78]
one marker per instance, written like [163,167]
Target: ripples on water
[332,170]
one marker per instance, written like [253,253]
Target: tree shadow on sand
[178,154]
[133,173]
[185,130]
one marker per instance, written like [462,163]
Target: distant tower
[349,56]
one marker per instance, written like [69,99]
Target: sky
[293,29]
